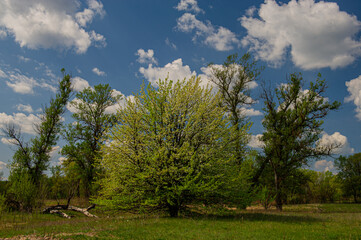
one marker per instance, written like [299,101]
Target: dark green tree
[234,80]
[293,124]
[33,156]
[350,174]
[85,136]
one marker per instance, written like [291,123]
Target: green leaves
[85,135]
[293,124]
[167,148]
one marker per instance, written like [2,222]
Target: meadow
[306,221]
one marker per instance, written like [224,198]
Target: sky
[125,43]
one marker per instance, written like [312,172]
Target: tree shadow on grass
[254,216]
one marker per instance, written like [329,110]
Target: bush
[22,193]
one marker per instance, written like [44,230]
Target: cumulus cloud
[98,72]
[189,6]
[354,88]
[78,84]
[324,166]
[255,141]
[337,140]
[174,70]
[318,34]
[25,122]
[51,23]
[24,108]
[250,112]
[219,38]
[146,56]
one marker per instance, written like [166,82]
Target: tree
[293,124]
[350,174]
[234,80]
[85,136]
[168,149]
[33,156]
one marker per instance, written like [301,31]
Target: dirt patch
[51,237]
[31,237]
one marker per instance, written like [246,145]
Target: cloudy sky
[124,43]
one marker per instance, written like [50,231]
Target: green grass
[313,221]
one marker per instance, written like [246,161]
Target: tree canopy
[168,148]
[85,136]
[293,125]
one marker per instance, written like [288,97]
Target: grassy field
[313,221]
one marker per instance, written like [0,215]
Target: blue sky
[124,43]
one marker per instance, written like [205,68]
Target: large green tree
[293,125]
[33,156]
[350,174]
[85,136]
[169,148]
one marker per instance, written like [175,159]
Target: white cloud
[3,34]
[2,165]
[170,44]
[255,141]
[174,70]
[24,108]
[336,139]
[324,166]
[98,72]
[54,151]
[20,83]
[221,38]
[251,112]
[25,122]
[8,141]
[146,56]
[50,23]
[189,6]
[120,104]
[354,88]
[78,84]
[24,59]
[318,34]
[3,74]
[61,160]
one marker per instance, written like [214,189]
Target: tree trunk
[278,192]
[173,210]
[355,197]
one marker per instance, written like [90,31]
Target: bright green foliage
[350,174]
[326,187]
[85,136]
[22,191]
[293,124]
[33,157]
[169,148]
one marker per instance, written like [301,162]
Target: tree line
[182,143]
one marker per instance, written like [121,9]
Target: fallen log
[56,210]
[59,213]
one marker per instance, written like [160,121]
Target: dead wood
[56,210]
